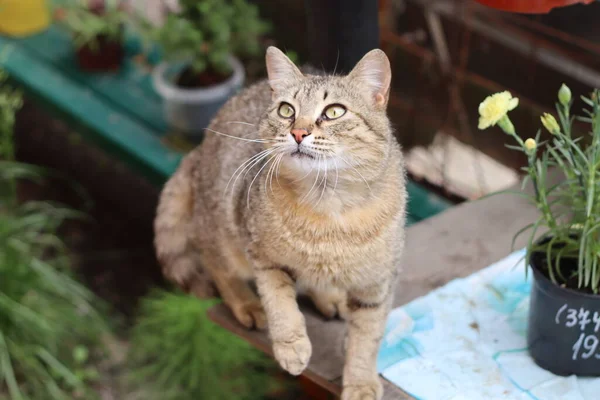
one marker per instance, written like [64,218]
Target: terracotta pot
[530,6]
[107,56]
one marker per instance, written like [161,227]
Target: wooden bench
[120,112]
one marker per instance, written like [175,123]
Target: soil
[189,79]
[568,267]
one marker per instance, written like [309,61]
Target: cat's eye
[334,112]
[286,110]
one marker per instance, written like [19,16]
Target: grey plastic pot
[191,110]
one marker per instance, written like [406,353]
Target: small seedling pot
[190,110]
[564,326]
[107,56]
[530,6]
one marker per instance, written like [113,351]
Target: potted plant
[563,250]
[97,27]
[200,42]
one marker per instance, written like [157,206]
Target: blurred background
[101,99]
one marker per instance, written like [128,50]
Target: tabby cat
[301,186]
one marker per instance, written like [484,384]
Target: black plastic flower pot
[564,326]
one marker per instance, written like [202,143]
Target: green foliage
[570,210]
[177,353]
[46,317]
[11,100]
[207,32]
[88,25]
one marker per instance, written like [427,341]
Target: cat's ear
[373,73]
[280,69]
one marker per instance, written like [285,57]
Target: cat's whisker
[336,61]
[277,171]
[265,188]
[359,174]
[240,138]
[255,177]
[249,167]
[324,182]
[253,157]
[240,122]
[316,179]
[269,181]
[242,166]
[274,148]
[307,174]
[337,174]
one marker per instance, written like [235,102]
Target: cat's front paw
[363,391]
[293,356]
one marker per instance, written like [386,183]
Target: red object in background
[530,6]
[107,57]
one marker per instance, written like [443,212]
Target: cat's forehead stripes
[316,92]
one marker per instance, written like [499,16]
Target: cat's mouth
[301,154]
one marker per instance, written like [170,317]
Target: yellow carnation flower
[494,107]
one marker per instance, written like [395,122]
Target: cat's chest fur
[344,250]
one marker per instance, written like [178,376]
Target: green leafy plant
[49,326]
[177,353]
[205,33]
[569,219]
[11,100]
[89,21]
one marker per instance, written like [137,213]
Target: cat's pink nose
[299,134]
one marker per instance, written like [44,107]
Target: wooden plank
[449,245]
[221,315]
[390,391]
[459,168]
[79,102]
[129,89]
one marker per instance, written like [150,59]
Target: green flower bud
[550,123]
[564,95]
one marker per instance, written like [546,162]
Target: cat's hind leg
[234,288]
[330,301]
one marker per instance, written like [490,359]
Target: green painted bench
[120,112]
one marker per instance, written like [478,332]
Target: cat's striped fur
[326,215]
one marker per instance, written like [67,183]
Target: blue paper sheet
[466,341]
